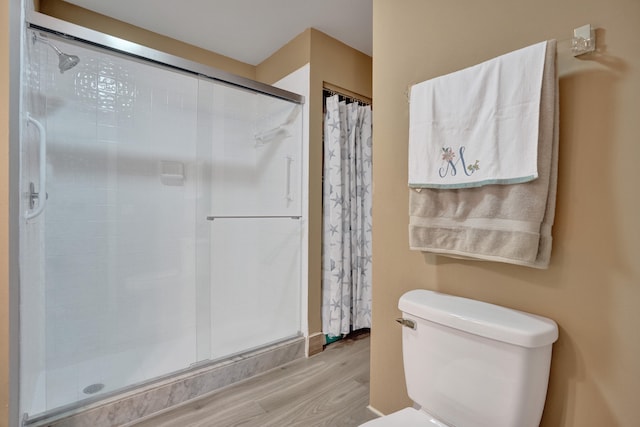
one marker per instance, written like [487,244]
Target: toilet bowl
[468,363]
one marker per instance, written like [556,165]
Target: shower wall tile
[106,118]
[107,133]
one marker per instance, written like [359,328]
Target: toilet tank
[471,364]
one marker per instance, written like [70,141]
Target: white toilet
[471,364]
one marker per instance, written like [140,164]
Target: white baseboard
[375,411]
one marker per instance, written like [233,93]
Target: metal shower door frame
[48,24]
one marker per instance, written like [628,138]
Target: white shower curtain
[346,247]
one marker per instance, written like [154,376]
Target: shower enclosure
[161,225]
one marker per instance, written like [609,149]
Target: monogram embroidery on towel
[450,166]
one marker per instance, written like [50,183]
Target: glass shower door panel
[119,224]
[255,290]
[256,154]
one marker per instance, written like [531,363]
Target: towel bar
[211,217]
[583,41]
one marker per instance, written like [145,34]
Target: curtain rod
[347,94]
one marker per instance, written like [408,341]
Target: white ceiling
[246,30]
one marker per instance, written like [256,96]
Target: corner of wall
[340,64]
[293,55]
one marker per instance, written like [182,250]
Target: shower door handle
[287,183]
[40,196]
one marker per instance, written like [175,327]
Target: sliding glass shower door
[255,218]
[161,223]
[110,278]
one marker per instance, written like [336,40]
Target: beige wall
[4,212]
[592,288]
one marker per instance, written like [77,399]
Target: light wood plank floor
[328,389]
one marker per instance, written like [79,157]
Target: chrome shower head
[65,61]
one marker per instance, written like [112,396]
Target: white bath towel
[478,126]
[505,223]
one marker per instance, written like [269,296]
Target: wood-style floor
[328,389]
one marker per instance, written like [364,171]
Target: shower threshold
[141,400]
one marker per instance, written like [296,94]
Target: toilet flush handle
[406,322]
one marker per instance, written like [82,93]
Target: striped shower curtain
[346,248]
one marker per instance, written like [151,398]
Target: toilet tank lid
[480,318]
